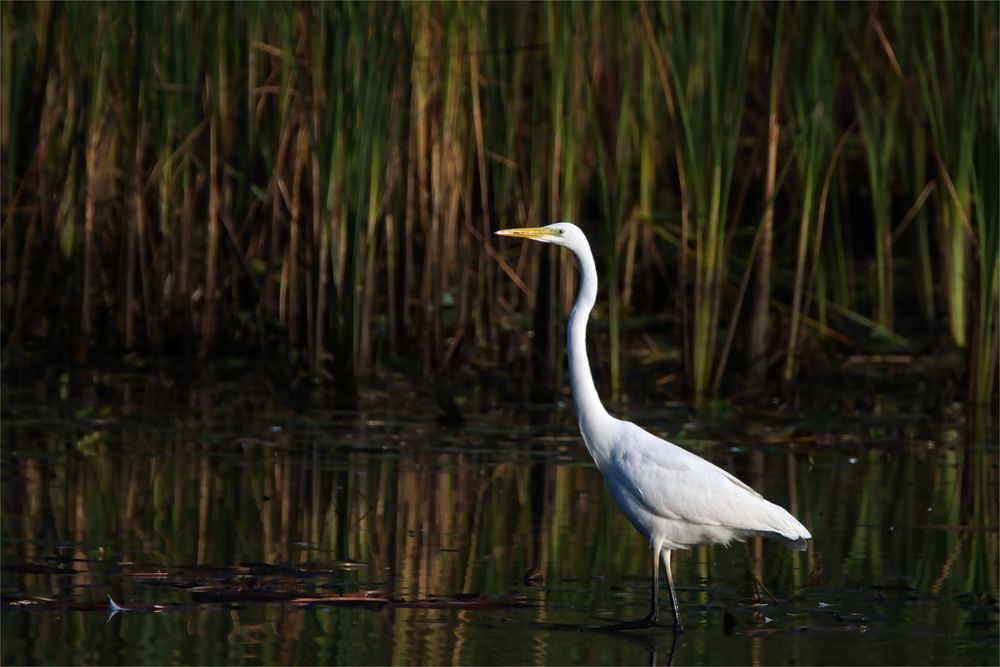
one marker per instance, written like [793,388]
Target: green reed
[812,86]
[705,46]
[948,82]
[877,104]
[957,69]
[760,313]
[900,46]
[986,201]
[320,182]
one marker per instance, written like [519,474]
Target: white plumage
[667,491]
[676,499]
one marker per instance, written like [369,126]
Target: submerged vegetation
[321,182]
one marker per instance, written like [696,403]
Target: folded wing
[672,483]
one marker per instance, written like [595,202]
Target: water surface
[238,526]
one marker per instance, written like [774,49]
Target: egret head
[561,233]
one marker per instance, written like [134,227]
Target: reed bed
[319,182]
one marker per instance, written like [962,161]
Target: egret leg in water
[676,499]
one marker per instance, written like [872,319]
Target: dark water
[238,527]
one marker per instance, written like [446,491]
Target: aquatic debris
[766,632]
[284,591]
[380,598]
[145,607]
[42,603]
[463,601]
[534,577]
[115,607]
[36,568]
[16,601]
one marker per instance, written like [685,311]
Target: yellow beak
[525,232]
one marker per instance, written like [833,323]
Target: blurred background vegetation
[767,186]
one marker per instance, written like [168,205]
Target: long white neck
[589,410]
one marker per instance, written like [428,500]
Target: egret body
[676,499]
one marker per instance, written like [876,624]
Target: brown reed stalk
[760,304]
[209,332]
[93,162]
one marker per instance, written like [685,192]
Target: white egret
[676,499]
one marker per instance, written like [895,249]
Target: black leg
[654,604]
[654,607]
[673,595]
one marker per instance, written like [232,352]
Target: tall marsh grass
[319,182]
